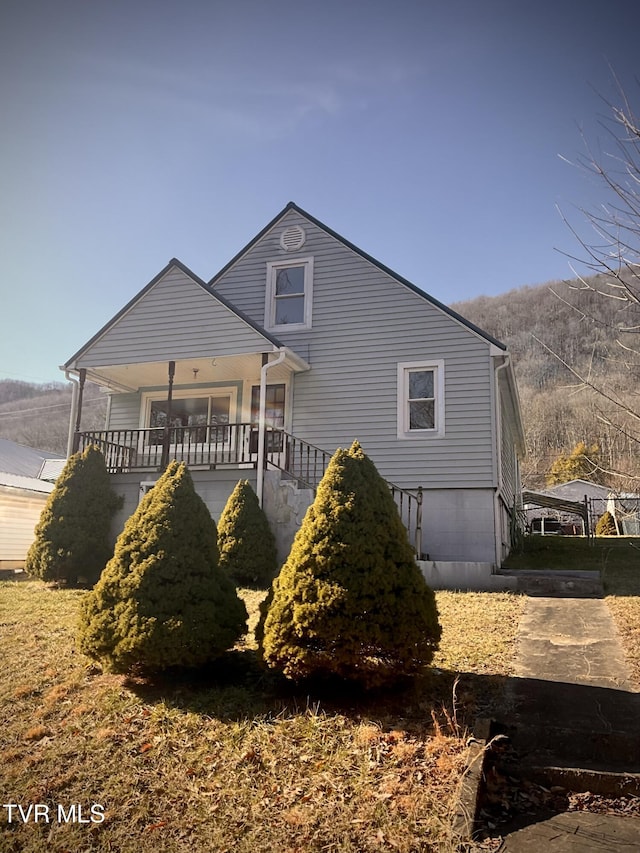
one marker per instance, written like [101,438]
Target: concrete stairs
[550,582]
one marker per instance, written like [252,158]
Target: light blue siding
[124,412]
[175,319]
[364,323]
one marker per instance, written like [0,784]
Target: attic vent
[292,238]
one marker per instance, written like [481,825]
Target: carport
[579,508]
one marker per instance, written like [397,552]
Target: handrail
[303,461]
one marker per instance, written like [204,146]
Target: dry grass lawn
[622,585]
[232,759]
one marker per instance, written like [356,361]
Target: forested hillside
[37,415]
[547,325]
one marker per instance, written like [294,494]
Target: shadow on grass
[238,687]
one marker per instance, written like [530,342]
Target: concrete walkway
[574,706]
[573,640]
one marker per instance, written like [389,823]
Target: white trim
[270,294]
[404,368]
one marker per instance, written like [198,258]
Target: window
[288,300]
[190,418]
[420,399]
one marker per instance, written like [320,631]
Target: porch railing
[233,444]
[126,449]
[409,503]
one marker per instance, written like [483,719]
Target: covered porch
[208,412]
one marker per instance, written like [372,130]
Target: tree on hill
[162,600]
[72,537]
[350,601]
[37,415]
[247,545]
[612,251]
[556,418]
[581,464]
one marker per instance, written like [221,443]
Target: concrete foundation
[465,576]
[458,525]
[214,487]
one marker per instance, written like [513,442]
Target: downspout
[261,424]
[75,390]
[497,512]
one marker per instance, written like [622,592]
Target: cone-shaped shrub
[162,600]
[72,536]
[606,525]
[350,600]
[247,545]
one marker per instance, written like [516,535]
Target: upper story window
[420,399]
[289,294]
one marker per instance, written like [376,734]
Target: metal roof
[541,499]
[32,484]
[23,461]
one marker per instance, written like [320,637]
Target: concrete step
[580,725]
[550,582]
[563,746]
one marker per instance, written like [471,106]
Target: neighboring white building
[26,476]
[625,508]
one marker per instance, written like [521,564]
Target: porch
[214,447]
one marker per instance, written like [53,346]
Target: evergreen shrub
[247,545]
[162,600]
[350,601]
[606,525]
[72,536]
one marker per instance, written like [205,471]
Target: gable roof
[400,279]
[174,262]
[578,488]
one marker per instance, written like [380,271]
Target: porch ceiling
[192,371]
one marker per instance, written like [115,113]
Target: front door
[273,416]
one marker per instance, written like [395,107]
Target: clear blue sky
[428,133]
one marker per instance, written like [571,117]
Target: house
[27,477]
[299,345]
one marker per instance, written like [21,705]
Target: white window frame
[404,369]
[270,298]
